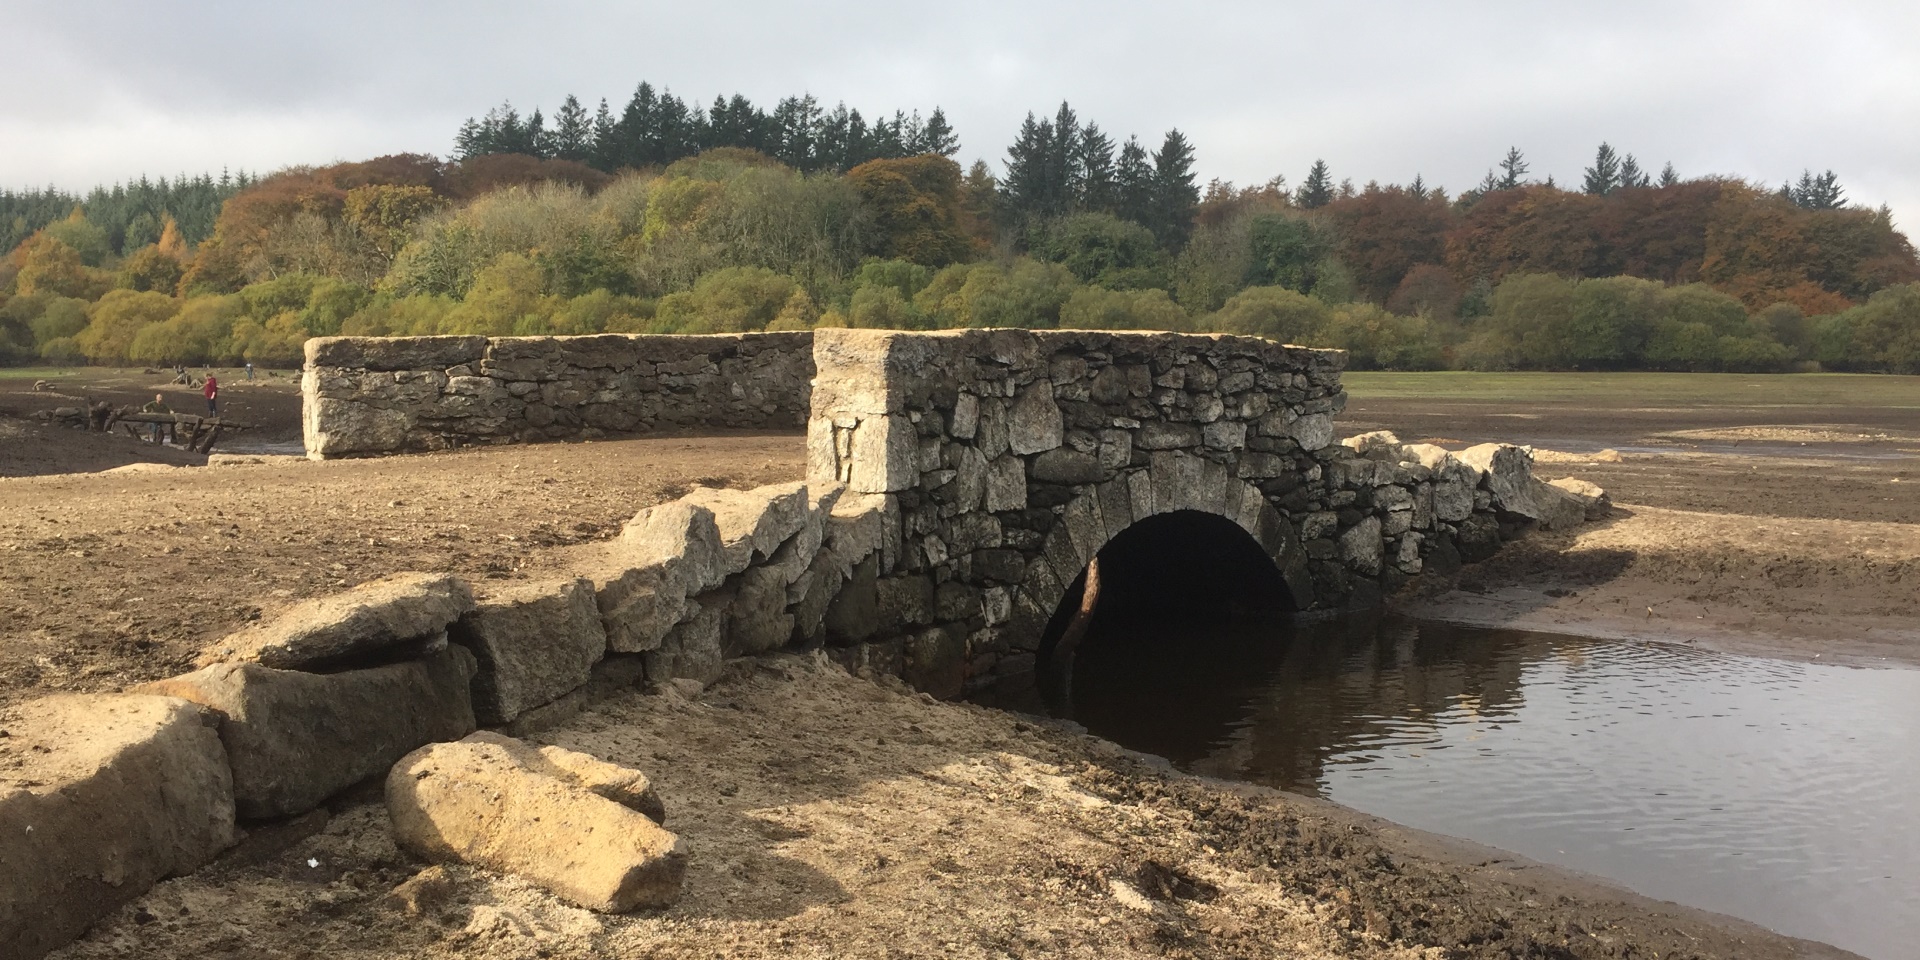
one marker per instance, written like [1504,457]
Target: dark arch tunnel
[1182,604]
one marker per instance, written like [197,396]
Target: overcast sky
[105,91]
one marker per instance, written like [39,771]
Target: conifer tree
[1133,183]
[1027,186]
[796,125]
[938,136]
[1668,177]
[1513,170]
[1317,190]
[1822,192]
[1098,186]
[1175,195]
[1064,175]
[572,131]
[1604,176]
[1631,174]
[606,146]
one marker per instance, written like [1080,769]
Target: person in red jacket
[212,393]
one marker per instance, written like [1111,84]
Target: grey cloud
[1381,90]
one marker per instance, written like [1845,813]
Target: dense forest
[666,217]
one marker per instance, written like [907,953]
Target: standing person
[212,392]
[158,405]
[249,369]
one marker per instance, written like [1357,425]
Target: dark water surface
[1784,793]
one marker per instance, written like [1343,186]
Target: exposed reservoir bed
[1785,793]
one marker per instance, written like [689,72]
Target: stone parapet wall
[365,396]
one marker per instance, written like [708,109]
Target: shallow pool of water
[1785,793]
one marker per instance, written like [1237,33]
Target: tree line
[128,215]
[656,128]
[1629,270]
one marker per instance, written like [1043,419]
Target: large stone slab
[100,797]
[358,623]
[294,739]
[518,810]
[752,523]
[395,353]
[534,643]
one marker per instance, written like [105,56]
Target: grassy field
[1643,389]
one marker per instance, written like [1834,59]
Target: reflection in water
[1784,793]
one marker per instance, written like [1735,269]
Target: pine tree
[572,131]
[606,142]
[678,130]
[1513,170]
[1027,186]
[1668,178]
[1133,183]
[1175,195]
[1822,192]
[1098,186]
[637,131]
[1317,190]
[1418,188]
[1064,173]
[938,136]
[1604,176]
[1631,174]
[796,126]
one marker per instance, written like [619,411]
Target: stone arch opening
[1054,587]
[1179,566]
[1141,640]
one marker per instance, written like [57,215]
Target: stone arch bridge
[1009,458]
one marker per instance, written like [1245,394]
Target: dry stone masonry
[375,395]
[958,485]
[1010,457]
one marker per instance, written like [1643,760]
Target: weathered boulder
[294,739]
[1507,473]
[521,810]
[1479,537]
[757,620]
[100,797]
[623,785]
[682,540]
[1313,431]
[1378,445]
[533,643]
[1453,481]
[1593,500]
[359,623]
[1361,547]
[663,556]
[695,648]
